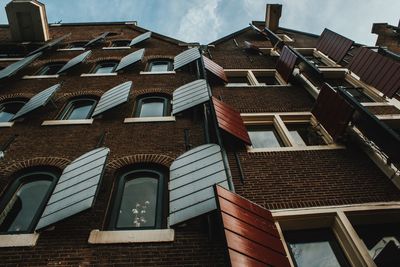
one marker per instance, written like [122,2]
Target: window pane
[267,80]
[359,95]
[315,248]
[105,68]
[152,109]
[305,135]
[8,110]
[159,66]
[264,136]
[120,43]
[50,69]
[239,80]
[79,110]
[139,203]
[23,206]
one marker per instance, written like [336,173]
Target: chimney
[272,16]
[28,21]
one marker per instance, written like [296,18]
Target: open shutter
[77,187]
[113,97]
[308,67]
[39,100]
[379,71]
[50,44]
[286,63]
[332,111]
[140,38]
[15,67]
[251,235]
[75,61]
[334,45]
[230,121]
[192,176]
[130,59]
[98,38]
[186,57]
[190,95]
[215,69]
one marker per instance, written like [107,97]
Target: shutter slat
[130,59]
[49,44]
[186,57]
[98,38]
[77,191]
[140,38]
[75,61]
[192,181]
[190,95]
[39,100]
[15,67]
[113,97]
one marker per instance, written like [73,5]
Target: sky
[207,20]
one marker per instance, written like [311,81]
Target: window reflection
[264,136]
[304,135]
[152,107]
[79,109]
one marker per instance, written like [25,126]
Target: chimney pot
[272,16]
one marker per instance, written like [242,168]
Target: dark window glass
[106,67]
[304,134]
[50,69]
[267,80]
[77,45]
[139,201]
[316,61]
[79,109]
[25,202]
[359,95]
[382,242]
[239,80]
[264,136]
[9,109]
[120,43]
[315,248]
[152,107]
[160,66]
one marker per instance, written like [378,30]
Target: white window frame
[278,120]
[333,217]
[285,38]
[251,74]
[131,236]
[18,240]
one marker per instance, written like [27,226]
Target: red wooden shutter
[215,69]
[286,63]
[334,45]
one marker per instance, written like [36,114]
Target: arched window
[79,109]
[77,45]
[50,69]
[138,200]
[152,106]
[160,65]
[24,202]
[120,43]
[9,109]
[105,67]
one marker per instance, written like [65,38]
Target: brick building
[123,147]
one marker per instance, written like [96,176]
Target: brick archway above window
[8,170]
[96,93]
[155,91]
[139,158]
[13,96]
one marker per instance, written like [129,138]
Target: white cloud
[201,22]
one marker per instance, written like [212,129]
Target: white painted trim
[294,148]
[157,73]
[376,104]
[71,49]
[11,59]
[29,77]
[388,117]
[311,88]
[18,240]
[6,124]
[132,236]
[66,122]
[98,74]
[150,119]
[116,48]
[285,38]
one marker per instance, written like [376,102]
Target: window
[50,69]
[160,66]
[9,109]
[24,202]
[286,131]
[152,106]
[239,78]
[139,201]
[120,43]
[77,45]
[316,61]
[79,109]
[359,95]
[105,67]
[315,247]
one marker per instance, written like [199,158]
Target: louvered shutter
[75,61]
[286,63]
[130,59]
[50,44]
[15,67]
[113,97]
[140,38]
[334,45]
[190,95]
[98,38]
[215,69]
[186,57]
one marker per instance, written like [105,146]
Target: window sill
[6,124]
[260,85]
[149,119]
[18,240]
[71,49]
[11,59]
[132,236]
[98,74]
[27,77]
[294,148]
[116,47]
[67,122]
[157,72]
